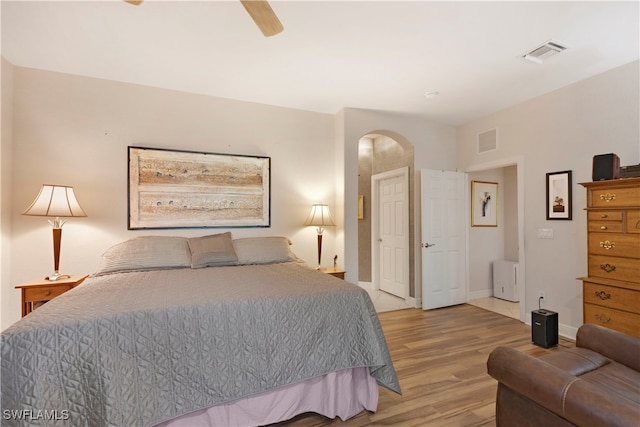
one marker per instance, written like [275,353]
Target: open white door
[443,245]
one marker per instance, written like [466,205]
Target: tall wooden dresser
[612,289]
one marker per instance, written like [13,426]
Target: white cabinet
[505,280]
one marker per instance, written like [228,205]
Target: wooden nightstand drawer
[45,293]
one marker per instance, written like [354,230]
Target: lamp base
[57,276]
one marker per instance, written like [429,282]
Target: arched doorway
[381,152]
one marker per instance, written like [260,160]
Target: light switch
[545,233]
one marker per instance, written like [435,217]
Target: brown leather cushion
[576,361]
[618,380]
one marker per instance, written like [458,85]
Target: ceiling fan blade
[264,17]
[134,2]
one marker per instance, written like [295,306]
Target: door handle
[428,245]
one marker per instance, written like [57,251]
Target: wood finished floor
[440,357]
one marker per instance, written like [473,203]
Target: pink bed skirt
[338,394]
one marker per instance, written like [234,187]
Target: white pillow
[146,253]
[263,250]
[214,250]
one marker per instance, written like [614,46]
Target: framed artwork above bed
[187,189]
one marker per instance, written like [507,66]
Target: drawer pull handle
[608,268]
[607,197]
[603,295]
[602,318]
[607,245]
[604,216]
[638,224]
[47,294]
[603,227]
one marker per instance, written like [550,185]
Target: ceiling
[378,55]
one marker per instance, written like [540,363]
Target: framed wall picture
[559,195]
[185,189]
[484,204]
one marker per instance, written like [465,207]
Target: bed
[211,330]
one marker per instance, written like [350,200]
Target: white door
[393,232]
[443,243]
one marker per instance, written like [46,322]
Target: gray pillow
[214,250]
[146,253]
[263,250]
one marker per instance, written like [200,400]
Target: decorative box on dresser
[611,291]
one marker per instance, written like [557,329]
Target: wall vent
[487,141]
[544,51]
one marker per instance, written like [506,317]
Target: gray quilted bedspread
[132,349]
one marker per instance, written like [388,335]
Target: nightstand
[37,292]
[333,271]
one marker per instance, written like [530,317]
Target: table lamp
[56,201]
[319,217]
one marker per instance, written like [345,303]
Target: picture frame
[484,204]
[559,203]
[188,189]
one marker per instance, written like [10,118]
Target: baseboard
[484,293]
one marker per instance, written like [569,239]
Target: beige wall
[560,131]
[7,294]
[75,131]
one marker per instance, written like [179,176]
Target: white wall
[75,131]
[560,131]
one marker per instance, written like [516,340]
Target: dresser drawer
[605,216]
[606,226]
[623,321]
[625,269]
[633,222]
[612,297]
[622,245]
[615,197]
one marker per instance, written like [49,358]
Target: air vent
[487,141]
[544,52]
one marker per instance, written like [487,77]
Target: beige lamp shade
[320,216]
[56,201]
